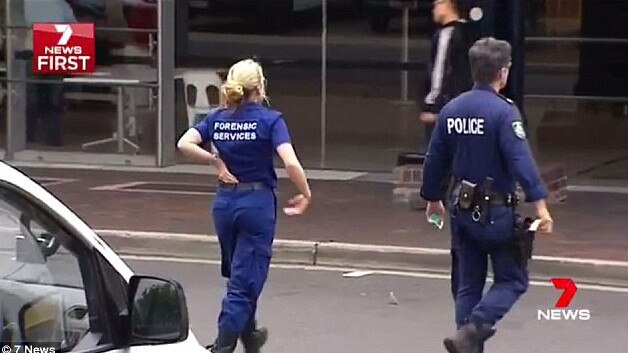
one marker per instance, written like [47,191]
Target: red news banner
[64,48]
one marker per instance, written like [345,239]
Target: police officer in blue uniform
[479,149]
[246,136]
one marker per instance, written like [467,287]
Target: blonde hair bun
[234,93]
[243,78]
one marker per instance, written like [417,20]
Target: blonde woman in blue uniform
[246,136]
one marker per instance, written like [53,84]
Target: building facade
[346,73]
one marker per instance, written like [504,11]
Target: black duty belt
[243,186]
[469,195]
[476,198]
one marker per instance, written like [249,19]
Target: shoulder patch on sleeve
[517,127]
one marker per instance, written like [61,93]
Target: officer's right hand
[224,174]
[435,208]
[542,213]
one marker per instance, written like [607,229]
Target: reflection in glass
[285,39]
[62,116]
[371,118]
[156,310]
[42,294]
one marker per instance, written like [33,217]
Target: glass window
[576,102]
[372,101]
[43,279]
[59,114]
[3,73]
[284,35]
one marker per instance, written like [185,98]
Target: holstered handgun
[524,240]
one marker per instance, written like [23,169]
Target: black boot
[469,339]
[253,338]
[225,343]
[489,334]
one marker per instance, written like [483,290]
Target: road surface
[321,312]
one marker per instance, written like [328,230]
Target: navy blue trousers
[475,244]
[245,223]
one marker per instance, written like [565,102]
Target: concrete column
[166,151]
[16,70]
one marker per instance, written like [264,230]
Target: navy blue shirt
[480,134]
[246,140]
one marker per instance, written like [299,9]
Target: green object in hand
[436,220]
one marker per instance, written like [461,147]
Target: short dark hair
[460,6]
[487,57]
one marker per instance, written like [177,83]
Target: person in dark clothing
[45,100]
[449,73]
[45,103]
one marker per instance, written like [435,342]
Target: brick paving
[588,225]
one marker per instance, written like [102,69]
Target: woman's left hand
[224,174]
[297,205]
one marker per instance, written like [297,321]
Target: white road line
[313,174]
[175,183]
[117,187]
[46,181]
[598,189]
[575,260]
[126,187]
[170,192]
[424,275]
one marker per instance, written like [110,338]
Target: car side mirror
[157,310]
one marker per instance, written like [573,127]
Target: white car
[63,287]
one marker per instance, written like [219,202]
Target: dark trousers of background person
[429,129]
[44,103]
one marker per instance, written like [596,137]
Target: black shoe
[225,343]
[254,338]
[469,339]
